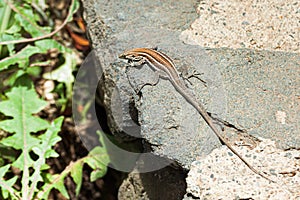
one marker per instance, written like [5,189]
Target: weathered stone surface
[218,176]
[260,86]
[252,93]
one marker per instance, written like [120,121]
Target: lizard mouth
[122,56]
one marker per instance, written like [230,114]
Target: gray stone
[251,93]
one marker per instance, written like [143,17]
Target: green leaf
[22,101]
[98,159]
[42,46]
[10,81]
[46,44]
[3,170]
[6,185]
[21,104]
[6,37]
[46,189]
[73,9]
[64,72]
[9,192]
[14,29]
[98,173]
[21,58]
[76,174]
[55,181]
[49,139]
[59,185]
[45,150]
[34,71]
[28,20]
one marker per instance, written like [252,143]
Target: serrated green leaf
[10,190]
[76,174]
[49,139]
[44,192]
[54,181]
[97,159]
[6,185]
[21,104]
[23,161]
[59,185]
[21,58]
[22,101]
[45,150]
[11,182]
[33,124]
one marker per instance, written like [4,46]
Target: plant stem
[5,21]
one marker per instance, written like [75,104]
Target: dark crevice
[192,196]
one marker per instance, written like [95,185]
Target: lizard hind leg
[193,74]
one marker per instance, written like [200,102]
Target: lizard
[165,68]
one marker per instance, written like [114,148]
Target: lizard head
[132,56]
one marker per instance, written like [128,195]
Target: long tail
[183,90]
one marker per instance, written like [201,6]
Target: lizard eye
[135,58]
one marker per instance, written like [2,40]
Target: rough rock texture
[265,25]
[253,94]
[209,178]
[259,86]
